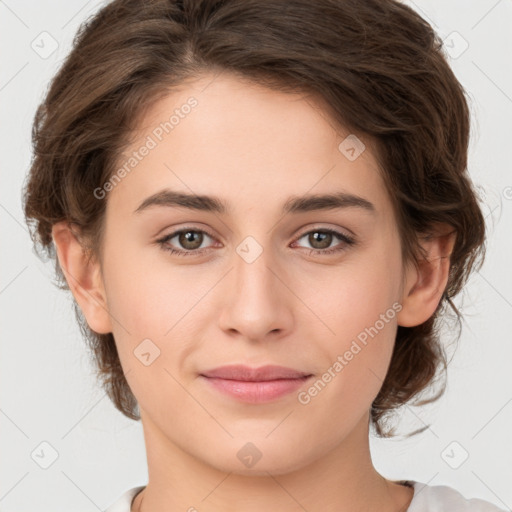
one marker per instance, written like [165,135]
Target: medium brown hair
[377,66]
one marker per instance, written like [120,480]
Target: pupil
[189,239]
[324,239]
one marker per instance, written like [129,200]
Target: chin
[259,458]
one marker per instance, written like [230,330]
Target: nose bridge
[256,304]
[255,264]
[254,252]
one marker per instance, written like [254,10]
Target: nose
[258,297]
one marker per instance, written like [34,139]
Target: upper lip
[246,373]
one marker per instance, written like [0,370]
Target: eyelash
[349,241]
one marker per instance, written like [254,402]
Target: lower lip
[256,392]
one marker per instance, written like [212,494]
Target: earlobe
[83,277]
[425,285]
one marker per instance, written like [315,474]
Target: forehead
[227,137]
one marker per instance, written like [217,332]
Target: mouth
[255,385]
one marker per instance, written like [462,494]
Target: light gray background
[48,391]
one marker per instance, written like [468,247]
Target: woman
[261,209]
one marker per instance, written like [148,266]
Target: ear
[425,285]
[83,277]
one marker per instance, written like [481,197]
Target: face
[313,289]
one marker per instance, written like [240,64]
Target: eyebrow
[295,204]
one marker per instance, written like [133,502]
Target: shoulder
[124,502]
[427,498]
[438,498]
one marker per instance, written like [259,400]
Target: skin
[254,148]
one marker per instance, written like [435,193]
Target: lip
[248,374]
[255,385]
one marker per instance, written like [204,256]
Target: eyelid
[319,227]
[322,227]
[345,240]
[196,229]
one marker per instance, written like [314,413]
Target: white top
[427,498]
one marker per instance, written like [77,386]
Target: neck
[342,479]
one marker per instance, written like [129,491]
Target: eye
[191,240]
[322,239]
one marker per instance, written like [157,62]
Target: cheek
[358,307]
[143,295]
[353,296]
[355,355]
[150,299]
